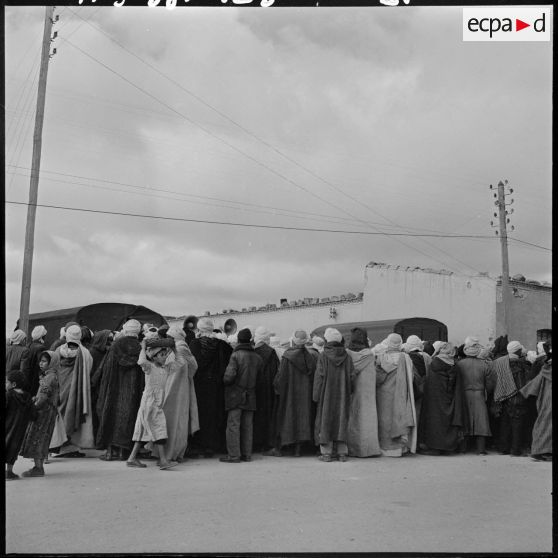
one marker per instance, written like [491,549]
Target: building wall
[284,321]
[465,304]
[531,310]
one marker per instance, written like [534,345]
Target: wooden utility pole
[503,221]
[35,168]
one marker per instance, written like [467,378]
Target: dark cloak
[332,392]
[264,423]
[212,356]
[440,417]
[31,366]
[19,412]
[121,386]
[293,384]
[98,350]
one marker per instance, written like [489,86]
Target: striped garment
[541,387]
[505,384]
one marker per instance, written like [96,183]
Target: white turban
[332,335]
[73,334]
[540,348]
[394,342]
[275,341]
[131,328]
[513,347]
[437,345]
[38,332]
[177,333]
[205,325]
[262,335]
[318,343]
[472,346]
[413,343]
[18,337]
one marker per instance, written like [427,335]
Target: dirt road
[462,503]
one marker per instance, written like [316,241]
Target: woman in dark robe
[100,344]
[212,356]
[121,384]
[264,417]
[440,419]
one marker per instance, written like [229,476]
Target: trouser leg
[517,435]
[342,448]
[326,449]
[481,444]
[504,436]
[233,432]
[246,432]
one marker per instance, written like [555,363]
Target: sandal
[136,463]
[168,465]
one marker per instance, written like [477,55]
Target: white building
[434,304]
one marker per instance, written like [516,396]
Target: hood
[301,359]
[362,358]
[335,353]
[126,351]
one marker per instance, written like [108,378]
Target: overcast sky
[374,119]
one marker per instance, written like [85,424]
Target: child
[151,425]
[19,411]
[39,433]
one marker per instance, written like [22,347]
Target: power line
[238,150]
[249,225]
[268,145]
[304,214]
[530,244]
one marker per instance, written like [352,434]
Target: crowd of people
[169,394]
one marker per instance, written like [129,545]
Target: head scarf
[18,337]
[177,333]
[394,342]
[359,339]
[318,343]
[332,335]
[262,335]
[446,353]
[513,347]
[38,332]
[47,354]
[73,334]
[413,343]
[131,328]
[205,325]
[472,347]
[299,338]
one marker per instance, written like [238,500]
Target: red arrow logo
[519,25]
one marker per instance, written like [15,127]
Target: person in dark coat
[16,351]
[242,376]
[212,356]
[98,348]
[333,382]
[265,415]
[475,379]
[440,419]
[294,384]
[512,374]
[31,367]
[19,412]
[121,384]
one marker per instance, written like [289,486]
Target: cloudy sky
[377,120]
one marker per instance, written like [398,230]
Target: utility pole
[35,168]
[503,221]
